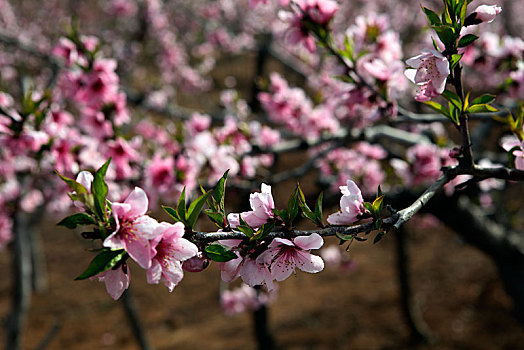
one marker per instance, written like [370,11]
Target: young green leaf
[77,219]
[453,98]
[219,253]
[433,18]
[378,237]
[99,190]
[172,212]
[467,40]
[263,231]
[344,237]
[481,108]
[181,207]
[73,185]
[438,107]
[195,208]
[318,209]
[377,204]
[102,262]
[216,217]
[220,190]
[483,99]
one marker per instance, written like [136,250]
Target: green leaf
[455,59]
[220,190]
[463,6]
[263,231]
[368,206]
[378,237]
[446,34]
[245,229]
[292,208]
[483,99]
[99,190]
[453,98]
[195,208]
[467,40]
[181,207]
[219,253]
[360,239]
[377,204]
[438,107]
[77,219]
[103,262]
[73,185]
[318,209]
[172,212]
[344,236]
[433,18]
[482,108]
[216,217]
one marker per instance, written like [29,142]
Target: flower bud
[483,13]
[195,264]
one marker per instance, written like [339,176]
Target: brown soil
[456,287]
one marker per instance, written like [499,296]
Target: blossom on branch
[171,249]
[262,204]
[133,229]
[350,205]
[486,13]
[283,256]
[430,73]
[116,280]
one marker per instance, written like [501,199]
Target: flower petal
[313,241]
[138,202]
[308,262]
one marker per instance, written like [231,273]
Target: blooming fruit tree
[84,119]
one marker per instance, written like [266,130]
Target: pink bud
[195,264]
[487,13]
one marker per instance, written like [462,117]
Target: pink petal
[252,273]
[308,262]
[230,269]
[173,273]
[138,202]
[278,241]
[154,273]
[184,250]
[282,268]
[313,241]
[146,226]
[139,249]
[267,256]
[114,242]
[116,282]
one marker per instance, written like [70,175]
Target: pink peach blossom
[133,229]
[262,204]
[430,73]
[350,205]
[171,250]
[487,13]
[116,280]
[283,256]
